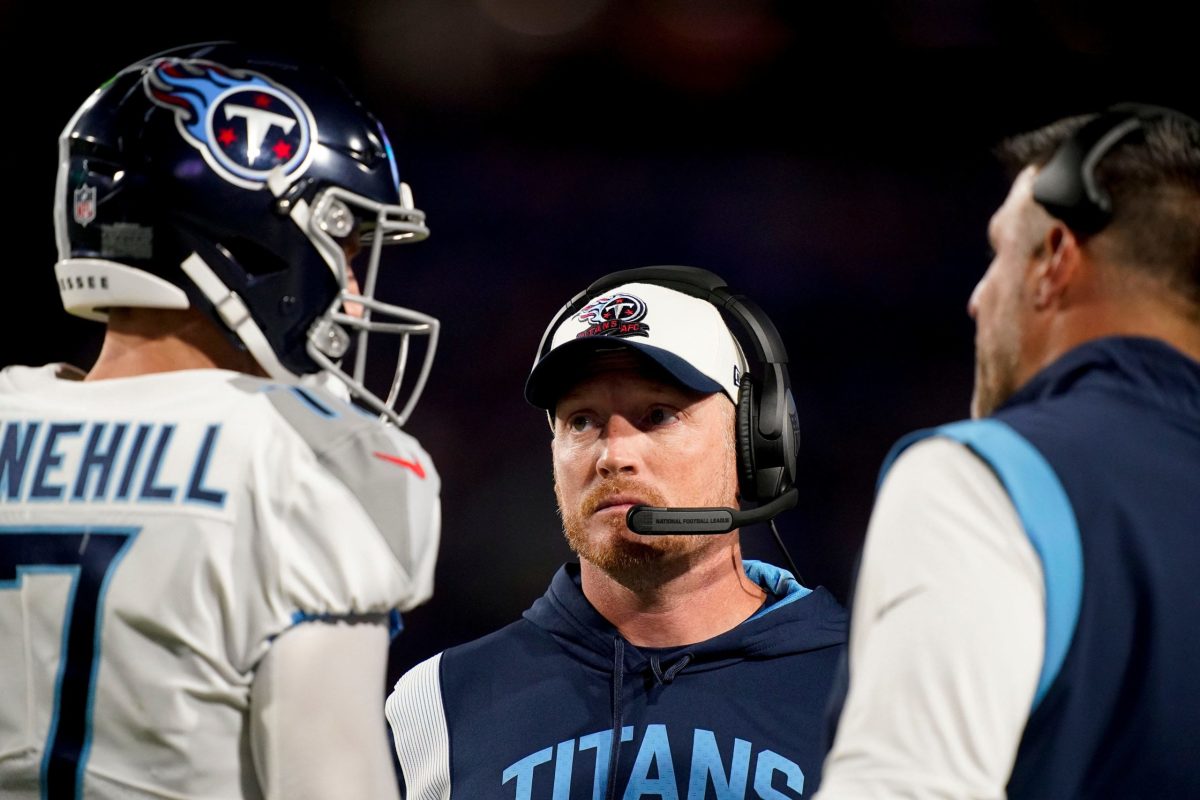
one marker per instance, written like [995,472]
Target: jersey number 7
[89,555]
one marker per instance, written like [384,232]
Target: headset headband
[1066,185]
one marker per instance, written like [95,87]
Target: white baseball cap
[685,335]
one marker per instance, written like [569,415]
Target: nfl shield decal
[83,209]
[244,125]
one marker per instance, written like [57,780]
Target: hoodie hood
[794,619]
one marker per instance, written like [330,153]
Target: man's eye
[579,423]
[661,416]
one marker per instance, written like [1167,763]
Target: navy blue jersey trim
[312,402]
[1046,514]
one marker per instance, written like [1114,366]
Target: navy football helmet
[237,183]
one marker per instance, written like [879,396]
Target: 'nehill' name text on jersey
[108,461]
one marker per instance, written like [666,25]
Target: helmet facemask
[339,222]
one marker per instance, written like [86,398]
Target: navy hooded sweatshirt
[558,705]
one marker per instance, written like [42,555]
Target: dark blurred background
[830,160]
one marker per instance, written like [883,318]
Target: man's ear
[1057,268]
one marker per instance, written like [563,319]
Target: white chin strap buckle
[233,311]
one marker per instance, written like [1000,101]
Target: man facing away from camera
[1024,620]
[202,549]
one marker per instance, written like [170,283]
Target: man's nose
[352,287]
[620,448]
[973,300]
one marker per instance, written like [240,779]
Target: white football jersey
[156,533]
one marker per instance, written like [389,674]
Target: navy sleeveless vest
[1100,454]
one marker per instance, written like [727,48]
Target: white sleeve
[418,720]
[316,730]
[946,636]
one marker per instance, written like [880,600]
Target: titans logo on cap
[243,124]
[614,315]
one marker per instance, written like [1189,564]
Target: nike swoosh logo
[415,466]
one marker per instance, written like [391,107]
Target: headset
[767,429]
[1066,186]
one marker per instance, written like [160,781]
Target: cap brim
[562,367]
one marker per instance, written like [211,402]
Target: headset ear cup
[747,419]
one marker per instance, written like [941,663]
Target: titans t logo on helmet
[243,124]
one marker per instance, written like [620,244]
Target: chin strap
[236,316]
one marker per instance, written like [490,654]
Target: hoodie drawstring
[615,749]
[618,673]
[669,675]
